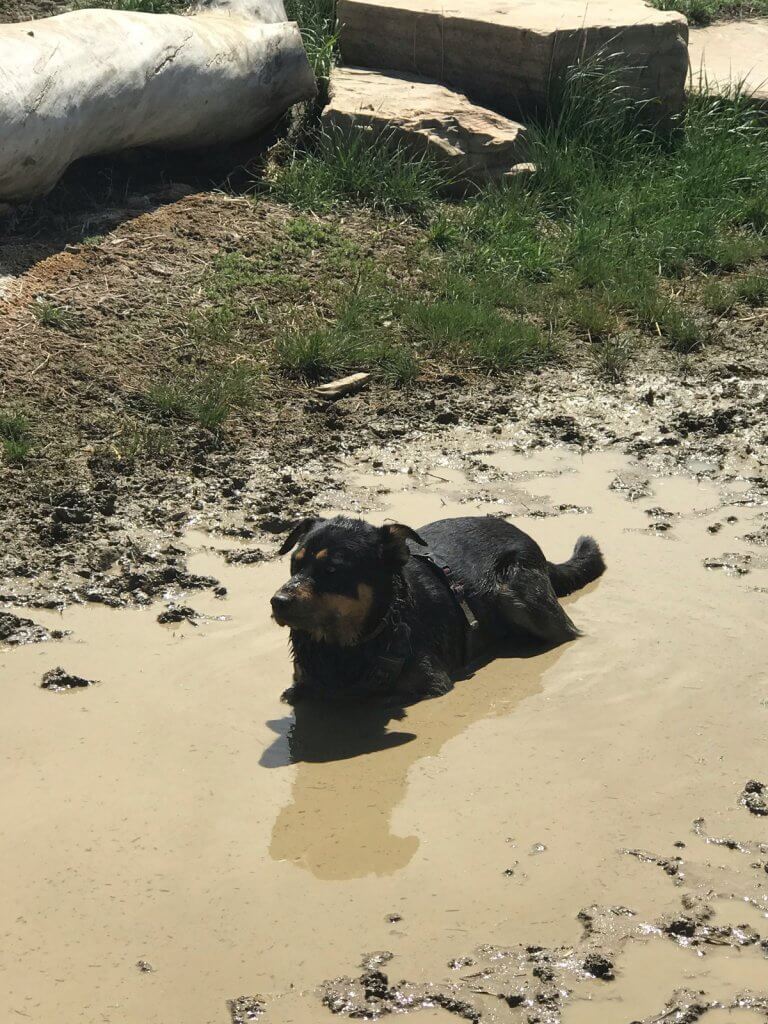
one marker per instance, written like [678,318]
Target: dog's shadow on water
[353,763]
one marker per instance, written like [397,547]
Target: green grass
[612,358]
[206,399]
[363,336]
[593,245]
[15,437]
[228,289]
[317,22]
[753,290]
[143,441]
[704,12]
[341,169]
[476,333]
[59,318]
[721,296]
[681,333]
[589,314]
[141,6]
[616,215]
[215,325]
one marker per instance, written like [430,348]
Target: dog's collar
[388,665]
[376,631]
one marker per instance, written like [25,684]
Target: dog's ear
[298,531]
[394,536]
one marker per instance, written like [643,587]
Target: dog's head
[341,576]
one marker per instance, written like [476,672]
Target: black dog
[371,613]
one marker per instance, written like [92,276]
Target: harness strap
[456,588]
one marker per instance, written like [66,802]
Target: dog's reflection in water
[353,762]
[337,825]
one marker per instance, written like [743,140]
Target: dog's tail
[585,564]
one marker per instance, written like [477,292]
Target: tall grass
[317,22]
[475,333]
[617,213]
[704,12]
[594,244]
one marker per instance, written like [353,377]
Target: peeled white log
[101,81]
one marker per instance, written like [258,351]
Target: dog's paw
[290,696]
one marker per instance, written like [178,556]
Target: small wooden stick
[344,386]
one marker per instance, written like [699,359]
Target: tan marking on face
[303,591]
[344,617]
[300,554]
[322,554]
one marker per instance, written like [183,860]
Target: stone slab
[505,54]
[475,145]
[731,55]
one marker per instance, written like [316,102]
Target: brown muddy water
[176,814]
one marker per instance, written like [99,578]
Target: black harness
[458,594]
[390,664]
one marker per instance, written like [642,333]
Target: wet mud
[14,629]
[569,836]
[59,681]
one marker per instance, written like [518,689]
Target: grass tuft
[207,399]
[589,314]
[356,168]
[15,437]
[476,333]
[143,441]
[753,290]
[363,337]
[57,317]
[612,357]
[721,296]
[680,331]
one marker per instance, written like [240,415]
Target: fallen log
[101,81]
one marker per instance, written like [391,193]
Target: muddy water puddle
[178,814]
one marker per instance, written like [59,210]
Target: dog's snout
[281,601]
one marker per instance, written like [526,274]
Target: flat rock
[476,145]
[506,53]
[724,57]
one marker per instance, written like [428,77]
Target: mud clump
[732,563]
[59,681]
[599,966]
[244,1009]
[755,798]
[633,486]
[178,613]
[693,927]
[249,556]
[461,962]
[671,866]
[16,631]
[371,961]
[371,996]
[686,1007]
[145,967]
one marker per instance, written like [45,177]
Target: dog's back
[505,577]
